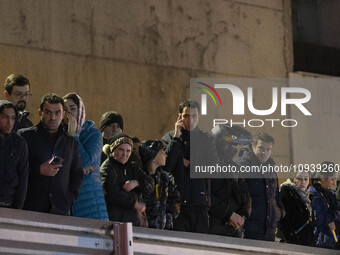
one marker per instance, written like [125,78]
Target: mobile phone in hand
[56,160]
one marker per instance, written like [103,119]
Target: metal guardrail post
[123,238]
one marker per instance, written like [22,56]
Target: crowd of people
[65,165]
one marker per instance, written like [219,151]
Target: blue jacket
[325,210]
[90,202]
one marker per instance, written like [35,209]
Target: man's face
[51,116]
[111,130]
[19,96]
[190,118]
[262,150]
[7,121]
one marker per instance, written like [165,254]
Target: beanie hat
[110,117]
[115,143]
[148,151]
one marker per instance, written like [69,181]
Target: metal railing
[25,232]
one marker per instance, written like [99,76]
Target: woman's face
[71,109]
[328,183]
[122,153]
[302,180]
[160,158]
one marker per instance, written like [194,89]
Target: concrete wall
[136,57]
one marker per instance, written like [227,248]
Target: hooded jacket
[297,225]
[90,202]
[13,166]
[325,209]
[267,208]
[52,194]
[120,203]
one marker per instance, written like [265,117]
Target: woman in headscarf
[90,202]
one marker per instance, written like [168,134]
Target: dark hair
[135,139]
[15,80]
[73,97]
[51,99]
[188,103]
[264,137]
[7,104]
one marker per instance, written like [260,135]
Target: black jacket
[13,168]
[119,202]
[267,208]
[297,225]
[23,121]
[52,194]
[228,196]
[195,192]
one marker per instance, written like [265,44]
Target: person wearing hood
[163,203]
[17,91]
[90,202]
[325,207]
[13,159]
[297,226]
[124,183]
[267,208]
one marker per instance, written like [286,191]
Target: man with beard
[55,169]
[17,91]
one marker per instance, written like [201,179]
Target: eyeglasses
[19,95]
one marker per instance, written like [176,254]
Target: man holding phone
[195,193]
[55,170]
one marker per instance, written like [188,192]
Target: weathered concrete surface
[136,57]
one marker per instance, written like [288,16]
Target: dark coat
[267,208]
[163,203]
[195,192]
[228,196]
[298,215]
[23,121]
[325,208]
[52,194]
[13,167]
[119,202]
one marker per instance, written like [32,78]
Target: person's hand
[130,185]
[236,221]
[88,169]
[140,207]
[49,170]
[331,226]
[186,162]
[72,125]
[179,127]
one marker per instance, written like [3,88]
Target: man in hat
[13,159]
[17,91]
[111,123]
